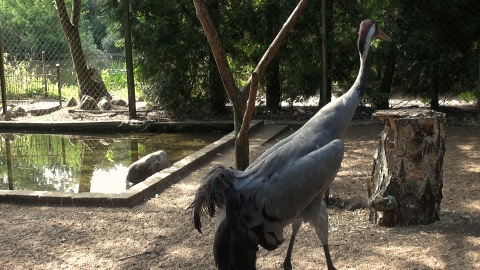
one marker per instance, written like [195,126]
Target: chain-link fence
[433,60]
[55,51]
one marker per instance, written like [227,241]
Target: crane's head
[368,31]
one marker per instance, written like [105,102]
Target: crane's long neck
[361,81]
[341,111]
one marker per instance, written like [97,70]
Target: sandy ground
[159,233]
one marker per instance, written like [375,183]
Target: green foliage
[170,52]
[468,96]
[434,48]
[28,31]
[24,83]
[115,77]
[437,40]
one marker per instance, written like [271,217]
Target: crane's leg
[317,216]
[221,246]
[287,263]
[243,253]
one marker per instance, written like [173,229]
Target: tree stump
[407,179]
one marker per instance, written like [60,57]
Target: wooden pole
[242,110]
[132,108]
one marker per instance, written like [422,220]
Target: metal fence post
[59,85]
[2,79]
[44,74]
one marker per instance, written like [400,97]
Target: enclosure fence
[60,50]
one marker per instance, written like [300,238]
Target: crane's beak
[382,35]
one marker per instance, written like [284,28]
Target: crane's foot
[287,265]
[328,258]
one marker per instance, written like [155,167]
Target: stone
[117,101]
[71,102]
[8,116]
[147,166]
[17,111]
[88,103]
[104,104]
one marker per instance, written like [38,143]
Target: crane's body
[286,184]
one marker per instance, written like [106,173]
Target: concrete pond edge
[136,194]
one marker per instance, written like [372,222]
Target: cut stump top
[416,113]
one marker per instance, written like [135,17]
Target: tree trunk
[327,42]
[274,92]
[272,73]
[407,179]
[387,79]
[478,90]
[216,93]
[217,96]
[242,111]
[242,144]
[88,79]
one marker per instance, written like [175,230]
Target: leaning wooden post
[407,179]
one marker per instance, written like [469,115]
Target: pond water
[78,163]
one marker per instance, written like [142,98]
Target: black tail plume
[211,194]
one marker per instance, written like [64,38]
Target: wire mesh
[433,60]
[51,56]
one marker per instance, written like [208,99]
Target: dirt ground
[159,233]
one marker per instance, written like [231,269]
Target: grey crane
[286,184]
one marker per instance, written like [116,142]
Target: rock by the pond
[104,104]
[147,166]
[88,103]
[18,111]
[7,117]
[117,101]
[71,102]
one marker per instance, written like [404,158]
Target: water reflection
[74,163]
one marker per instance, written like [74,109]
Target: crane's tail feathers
[211,194]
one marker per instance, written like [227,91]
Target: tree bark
[243,111]
[478,90]
[407,178]
[216,93]
[327,41]
[387,80]
[272,73]
[273,88]
[89,80]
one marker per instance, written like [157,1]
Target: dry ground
[159,233]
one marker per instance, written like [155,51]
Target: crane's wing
[272,149]
[268,202]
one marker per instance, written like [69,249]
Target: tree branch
[217,49]
[252,83]
[281,36]
[62,13]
